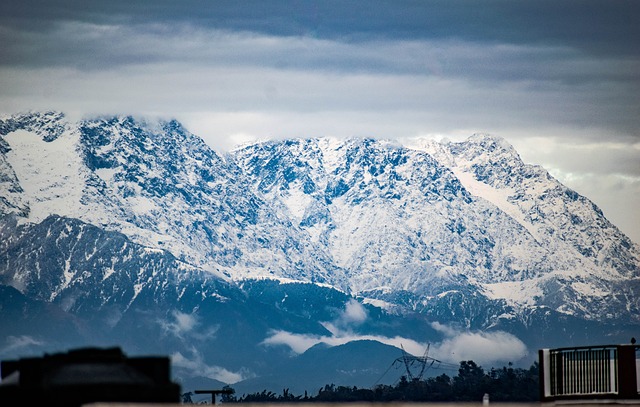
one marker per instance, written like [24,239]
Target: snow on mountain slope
[50,173]
[437,219]
[89,271]
[159,185]
[568,224]
[455,230]
[551,212]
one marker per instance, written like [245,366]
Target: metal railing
[607,371]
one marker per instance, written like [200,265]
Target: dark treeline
[470,384]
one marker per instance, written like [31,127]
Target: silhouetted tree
[186,398]
[470,384]
[440,388]
[228,396]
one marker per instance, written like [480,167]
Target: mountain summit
[431,223]
[106,217]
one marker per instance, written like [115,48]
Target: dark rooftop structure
[86,375]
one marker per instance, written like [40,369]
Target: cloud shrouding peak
[563,71]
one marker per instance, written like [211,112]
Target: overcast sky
[560,80]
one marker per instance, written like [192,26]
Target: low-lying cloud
[183,325]
[196,366]
[342,331]
[353,315]
[482,347]
[300,343]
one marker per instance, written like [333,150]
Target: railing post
[544,374]
[627,381]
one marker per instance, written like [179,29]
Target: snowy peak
[454,215]
[491,160]
[359,169]
[48,125]
[433,227]
[162,187]
[554,214]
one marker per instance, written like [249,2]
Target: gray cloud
[597,27]
[86,46]
[244,71]
[196,76]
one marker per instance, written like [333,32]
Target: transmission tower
[415,365]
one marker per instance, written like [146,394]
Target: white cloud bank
[485,348]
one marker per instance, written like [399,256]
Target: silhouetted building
[86,375]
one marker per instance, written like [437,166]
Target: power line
[416,366]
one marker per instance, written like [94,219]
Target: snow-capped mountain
[437,218]
[119,228]
[159,185]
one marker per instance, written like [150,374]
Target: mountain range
[258,266]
